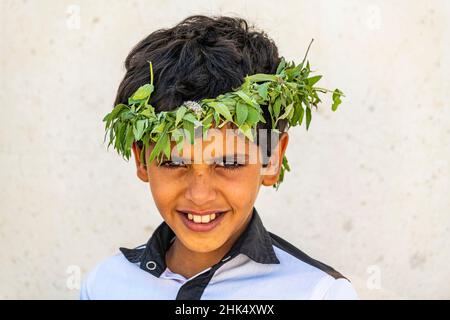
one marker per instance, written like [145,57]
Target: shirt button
[151,265]
[223,260]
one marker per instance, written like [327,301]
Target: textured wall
[368,193]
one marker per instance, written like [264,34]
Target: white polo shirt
[260,265]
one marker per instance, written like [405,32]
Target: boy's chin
[195,243]
[203,249]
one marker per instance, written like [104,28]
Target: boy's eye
[170,164]
[230,165]
[173,164]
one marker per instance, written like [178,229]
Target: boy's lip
[202,227]
[201,213]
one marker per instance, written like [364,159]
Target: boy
[212,243]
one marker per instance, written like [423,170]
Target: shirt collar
[255,242]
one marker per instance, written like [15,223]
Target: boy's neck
[182,260]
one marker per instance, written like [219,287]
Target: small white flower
[194,106]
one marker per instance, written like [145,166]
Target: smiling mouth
[204,218]
[202,222]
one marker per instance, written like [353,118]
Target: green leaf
[159,128]
[252,117]
[286,164]
[223,110]
[120,136]
[241,113]
[138,129]
[126,115]
[113,114]
[281,65]
[247,131]
[166,147]
[148,111]
[262,90]
[336,99]
[308,117]
[246,98]
[246,85]
[159,146]
[216,118]
[205,129]
[298,114]
[129,140]
[229,102]
[190,117]
[207,121]
[259,77]
[180,114]
[143,92]
[313,80]
[277,107]
[189,127]
[178,136]
[261,118]
[288,112]
[142,155]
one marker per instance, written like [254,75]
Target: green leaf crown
[288,94]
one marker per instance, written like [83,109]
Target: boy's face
[200,180]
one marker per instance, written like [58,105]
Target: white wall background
[369,190]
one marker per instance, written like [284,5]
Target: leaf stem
[151,72]
[307,50]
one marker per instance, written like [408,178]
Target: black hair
[200,57]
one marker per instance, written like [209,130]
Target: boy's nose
[200,187]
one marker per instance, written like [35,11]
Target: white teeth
[201,219]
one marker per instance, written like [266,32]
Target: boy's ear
[272,171]
[140,167]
